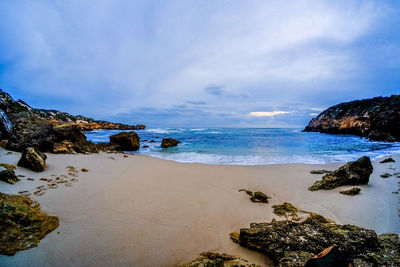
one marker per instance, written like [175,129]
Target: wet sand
[143,211]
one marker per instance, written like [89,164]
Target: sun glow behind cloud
[267,113]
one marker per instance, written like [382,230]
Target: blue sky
[199,63]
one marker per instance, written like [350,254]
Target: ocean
[253,146]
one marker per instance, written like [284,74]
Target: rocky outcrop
[291,243]
[125,141]
[65,147]
[169,142]
[351,192]
[353,173]
[22,223]
[213,259]
[16,109]
[8,175]
[33,159]
[376,118]
[34,131]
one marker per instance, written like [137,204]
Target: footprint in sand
[53,186]
[39,193]
[73,180]
[20,175]
[40,187]
[45,179]
[68,184]
[30,179]
[25,193]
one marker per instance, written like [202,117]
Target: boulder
[8,175]
[353,173]
[65,147]
[291,243]
[33,159]
[31,131]
[126,141]
[169,142]
[351,192]
[22,223]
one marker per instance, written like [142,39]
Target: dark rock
[8,175]
[213,259]
[22,223]
[169,142]
[282,240]
[126,141]
[6,126]
[353,173]
[33,159]
[31,131]
[351,192]
[258,197]
[376,118]
[387,160]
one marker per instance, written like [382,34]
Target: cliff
[16,109]
[376,118]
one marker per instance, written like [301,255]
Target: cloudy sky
[203,63]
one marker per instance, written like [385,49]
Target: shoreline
[145,211]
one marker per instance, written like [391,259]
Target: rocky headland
[22,126]
[376,118]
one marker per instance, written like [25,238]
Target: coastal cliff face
[376,118]
[17,109]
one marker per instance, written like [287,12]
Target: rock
[285,209]
[10,167]
[31,131]
[297,241]
[72,135]
[22,223]
[169,142]
[351,192]
[3,143]
[376,118]
[8,175]
[6,126]
[65,147]
[33,159]
[126,141]
[387,160]
[213,259]
[84,170]
[258,196]
[353,173]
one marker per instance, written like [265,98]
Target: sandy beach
[141,211]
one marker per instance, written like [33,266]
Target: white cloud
[267,113]
[107,57]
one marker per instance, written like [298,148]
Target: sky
[167,63]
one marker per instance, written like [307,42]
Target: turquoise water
[253,146]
